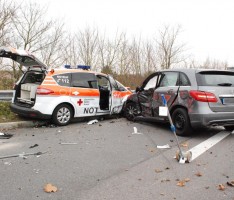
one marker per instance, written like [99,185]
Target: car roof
[60,71]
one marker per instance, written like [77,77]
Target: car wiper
[224,84]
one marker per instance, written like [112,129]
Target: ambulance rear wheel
[62,115]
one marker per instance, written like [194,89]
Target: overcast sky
[208,25]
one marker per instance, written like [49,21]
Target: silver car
[196,98]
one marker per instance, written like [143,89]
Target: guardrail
[6,95]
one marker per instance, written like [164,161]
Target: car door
[115,96]
[145,94]
[168,86]
[84,93]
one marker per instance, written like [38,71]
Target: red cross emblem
[80,102]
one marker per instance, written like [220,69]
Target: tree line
[28,26]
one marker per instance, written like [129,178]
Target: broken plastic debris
[22,155]
[35,145]
[67,143]
[5,135]
[92,122]
[135,131]
[166,146]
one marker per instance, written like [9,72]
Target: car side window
[63,79]
[151,83]
[84,80]
[169,79]
[103,83]
[184,81]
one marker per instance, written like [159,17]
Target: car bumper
[212,119]
[28,112]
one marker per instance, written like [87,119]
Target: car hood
[23,57]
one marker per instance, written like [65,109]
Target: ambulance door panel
[105,93]
[84,94]
[116,97]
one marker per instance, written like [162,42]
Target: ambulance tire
[62,115]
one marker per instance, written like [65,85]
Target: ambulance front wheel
[62,115]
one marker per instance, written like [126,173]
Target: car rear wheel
[181,122]
[131,111]
[62,115]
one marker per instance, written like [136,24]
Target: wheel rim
[131,112]
[179,121]
[63,115]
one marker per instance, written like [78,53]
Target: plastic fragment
[92,122]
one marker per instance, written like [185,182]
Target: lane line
[207,144]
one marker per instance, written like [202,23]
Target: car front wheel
[131,111]
[181,122]
[62,115]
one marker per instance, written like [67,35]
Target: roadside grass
[5,113]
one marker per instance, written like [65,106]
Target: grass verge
[6,115]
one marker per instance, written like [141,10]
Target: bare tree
[53,53]
[108,50]
[214,64]
[71,54]
[135,52]
[149,57]
[7,13]
[31,27]
[169,51]
[123,57]
[87,42]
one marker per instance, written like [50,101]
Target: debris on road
[5,135]
[68,143]
[22,155]
[135,131]
[198,174]
[166,146]
[50,188]
[33,146]
[92,122]
[221,187]
[181,183]
[231,183]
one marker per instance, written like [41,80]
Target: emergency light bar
[84,67]
[67,66]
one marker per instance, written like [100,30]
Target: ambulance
[65,93]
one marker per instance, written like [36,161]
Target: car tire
[229,128]
[181,122]
[62,115]
[131,111]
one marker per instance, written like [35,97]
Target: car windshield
[214,78]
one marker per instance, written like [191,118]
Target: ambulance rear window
[84,80]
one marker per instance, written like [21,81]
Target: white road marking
[204,146]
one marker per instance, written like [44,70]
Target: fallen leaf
[198,174]
[158,170]
[207,187]
[167,168]
[181,183]
[50,188]
[184,145]
[231,183]
[221,187]
[162,194]
[187,179]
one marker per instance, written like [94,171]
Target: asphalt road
[106,161]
